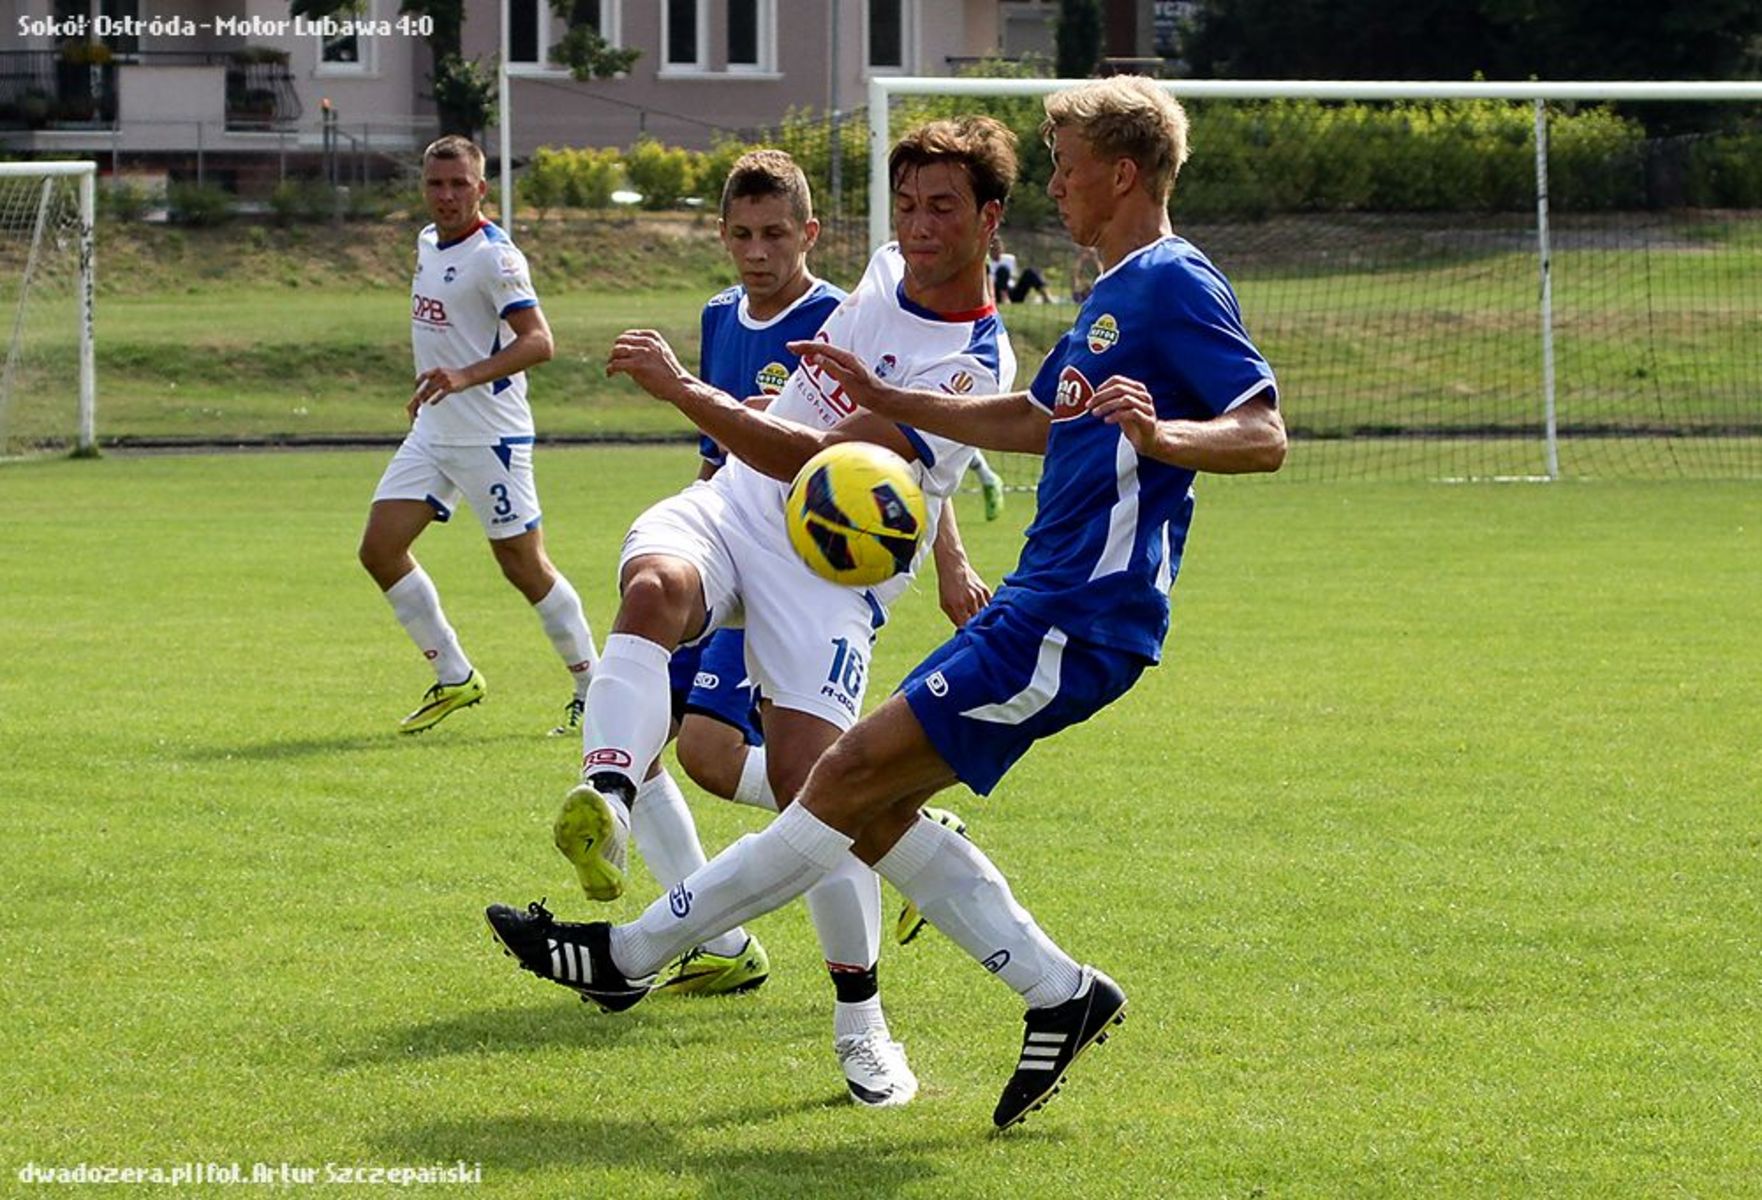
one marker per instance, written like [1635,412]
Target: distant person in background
[1013,283]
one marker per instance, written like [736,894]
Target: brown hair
[1125,116]
[769,173]
[982,145]
[452,146]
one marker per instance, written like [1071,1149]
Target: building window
[534,27]
[348,53]
[683,35]
[752,35]
[888,35]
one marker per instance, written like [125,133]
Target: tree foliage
[1077,38]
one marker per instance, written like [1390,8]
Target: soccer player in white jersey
[719,551]
[475,328]
[1156,381]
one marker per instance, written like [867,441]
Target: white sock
[566,625]
[854,1020]
[759,873]
[667,838]
[754,787]
[961,893]
[628,708]
[418,609]
[846,909]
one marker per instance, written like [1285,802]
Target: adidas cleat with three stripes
[1054,1038]
[577,956]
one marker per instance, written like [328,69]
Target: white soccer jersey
[460,298]
[906,345]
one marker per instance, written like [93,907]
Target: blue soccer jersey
[1108,535]
[747,357]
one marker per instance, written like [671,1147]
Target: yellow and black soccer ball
[856,514]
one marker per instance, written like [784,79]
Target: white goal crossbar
[86,173]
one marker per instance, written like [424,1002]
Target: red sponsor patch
[1074,394]
[605,756]
[428,310]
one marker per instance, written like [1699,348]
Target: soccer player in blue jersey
[1157,380]
[475,328]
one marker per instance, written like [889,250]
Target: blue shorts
[710,678]
[1004,681]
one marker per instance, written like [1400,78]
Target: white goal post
[32,222]
[1539,403]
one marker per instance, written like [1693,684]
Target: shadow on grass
[568,1024]
[282,749]
[888,1160]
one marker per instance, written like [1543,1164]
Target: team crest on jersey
[771,378]
[1074,394]
[887,366]
[1103,334]
[452,274]
[960,383]
[510,265]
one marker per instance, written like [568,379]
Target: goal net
[46,390]
[1452,281]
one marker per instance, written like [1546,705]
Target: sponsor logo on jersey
[452,274]
[510,265]
[826,393]
[960,383]
[1074,394]
[771,378]
[1103,334]
[729,296]
[887,366]
[606,756]
[707,681]
[428,311]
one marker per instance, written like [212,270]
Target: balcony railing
[49,89]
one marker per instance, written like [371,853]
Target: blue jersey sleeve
[1210,352]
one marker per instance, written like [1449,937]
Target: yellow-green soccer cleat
[700,973]
[442,701]
[570,725]
[991,489]
[911,921]
[594,835]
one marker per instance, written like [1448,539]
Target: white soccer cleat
[875,1070]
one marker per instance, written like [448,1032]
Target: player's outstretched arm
[532,345]
[773,445]
[959,589]
[1247,439]
[1004,422]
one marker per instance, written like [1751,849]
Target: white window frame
[367,64]
[767,43]
[699,67]
[908,41]
[552,29]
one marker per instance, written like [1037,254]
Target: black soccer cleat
[578,957]
[1054,1038]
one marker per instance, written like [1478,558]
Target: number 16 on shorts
[845,678]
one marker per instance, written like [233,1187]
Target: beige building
[221,82]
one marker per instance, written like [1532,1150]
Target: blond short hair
[769,173]
[452,147]
[1125,116]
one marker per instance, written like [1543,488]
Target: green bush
[302,200]
[593,176]
[663,174]
[544,184]
[124,201]
[200,203]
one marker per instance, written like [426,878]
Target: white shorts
[496,481]
[807,639]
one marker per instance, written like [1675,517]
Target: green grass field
[1429,859]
